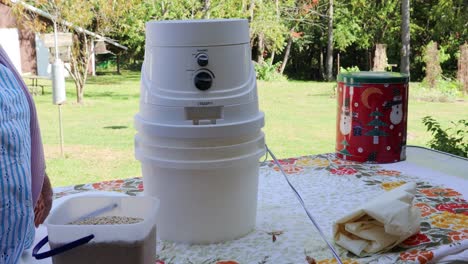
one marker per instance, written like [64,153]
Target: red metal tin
[372,116]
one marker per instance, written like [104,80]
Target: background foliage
[453,139]
[358,26]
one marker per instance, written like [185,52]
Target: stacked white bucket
[199,134]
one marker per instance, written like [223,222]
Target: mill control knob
[203,80]
[202,59]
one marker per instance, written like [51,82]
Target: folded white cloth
[452,253]
[379,224]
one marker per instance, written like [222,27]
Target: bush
[452,140]
[267,71]
[343,70]
[349,69]
[106,65]
[446,90]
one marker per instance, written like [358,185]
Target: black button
[202,60]
[203,81]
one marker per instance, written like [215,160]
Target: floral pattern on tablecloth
[131,186]
[330,188]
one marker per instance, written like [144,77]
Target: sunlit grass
[98,135]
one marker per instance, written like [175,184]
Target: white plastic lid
[194,33]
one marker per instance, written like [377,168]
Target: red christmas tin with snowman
[372,116]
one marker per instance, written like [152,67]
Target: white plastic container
[199,129]
[199,154]
[206,202]
[122,243]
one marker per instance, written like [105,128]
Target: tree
[287,52]
[433,69]
[101,16]
[462,73]
[82,17]
[441,21]
[305,20]
[298,34]
[380,57]
[75,16]
[267,33]
[405,37]
[206,9]
[329,60]
[361,25]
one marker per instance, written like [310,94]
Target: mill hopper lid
[197,33]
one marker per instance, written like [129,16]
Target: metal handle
[58,250]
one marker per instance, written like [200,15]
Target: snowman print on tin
[396,115]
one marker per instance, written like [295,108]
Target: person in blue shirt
[25,190]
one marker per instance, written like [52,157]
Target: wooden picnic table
[35,84]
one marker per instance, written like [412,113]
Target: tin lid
[372,77]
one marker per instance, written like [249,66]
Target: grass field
[98,135]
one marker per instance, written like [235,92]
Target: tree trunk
[286,54]
[462,73]
[79,92]
[330,43]
[338,66]
[405,37]
[432,60]
[206,9]
[79,66]
[380,57]
[118,63]
[278,18]
[277,9]
[163,9]
[251,10]
[322,74]
[369,60]
[261,47]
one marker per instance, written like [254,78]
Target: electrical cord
[301,201]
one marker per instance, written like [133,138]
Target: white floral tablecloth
[330,187]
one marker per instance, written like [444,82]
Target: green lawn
[300,120]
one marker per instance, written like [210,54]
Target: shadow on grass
[321,95]
[102,73]
[112,95]
[91,94]
[114,78]
[115,127]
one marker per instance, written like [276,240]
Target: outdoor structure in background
[462,74]
[64,43]
[19,43]
[30,51]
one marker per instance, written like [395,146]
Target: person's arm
[44,203]
[37,150]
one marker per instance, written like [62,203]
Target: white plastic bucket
[198,153]
[199,129]
[232,129]
[136,243]
[208,193]
[203,202]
